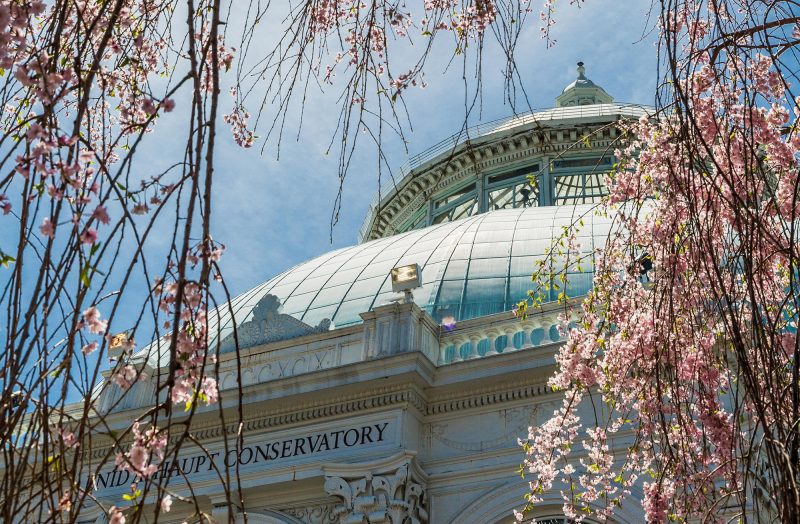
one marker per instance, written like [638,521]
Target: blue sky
[273,214]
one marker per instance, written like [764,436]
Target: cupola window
[459,204]
[579,180]
[513,189]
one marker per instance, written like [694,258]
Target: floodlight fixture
[406,278]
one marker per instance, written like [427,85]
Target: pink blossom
[166,503]
[168,104]
[101,214]
[89,236]
[64,503]
[5,205]
[145,453]
[656,501]
[115,516]
[89,348]
[47,229]
[125,377]
[91,319]
[210,390]
[148,106]
[68,438]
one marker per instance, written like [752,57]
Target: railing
[450,143]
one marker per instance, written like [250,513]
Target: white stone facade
[366,425]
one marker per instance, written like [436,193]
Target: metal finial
[581,71]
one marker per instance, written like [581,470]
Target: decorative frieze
[318,514]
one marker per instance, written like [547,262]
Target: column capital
[391,491]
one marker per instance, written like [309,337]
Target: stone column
[510,332]
[391,491]
[491,334]
[474,340]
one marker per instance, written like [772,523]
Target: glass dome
[470,268]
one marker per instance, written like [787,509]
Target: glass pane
[486,290]
[344,276]
[314,316]
[518,289]
[501,198]
[488,267]
[298,303]
[330,295]
[454,196]
[311,284]
[578,284]
[464,210]
[569,186]
[494,236]
[525,266]
[348,312]
[442,218]
[456,270]
[450,292]
[461,251]
[282,291]
[595,184]
[480,309]
[378,269]
[491,250]
[365,288]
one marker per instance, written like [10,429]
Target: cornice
[474,158]
[500,394]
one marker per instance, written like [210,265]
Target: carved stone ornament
[268,325]
[390,493]
[320,514]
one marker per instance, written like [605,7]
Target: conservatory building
[390,381]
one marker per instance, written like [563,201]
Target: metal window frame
[524,171]
[555,173]
[447,208]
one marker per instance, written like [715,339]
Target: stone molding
[378,398]
[391,490]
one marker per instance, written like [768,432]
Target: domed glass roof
[470,268]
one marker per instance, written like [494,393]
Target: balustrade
[465,343]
